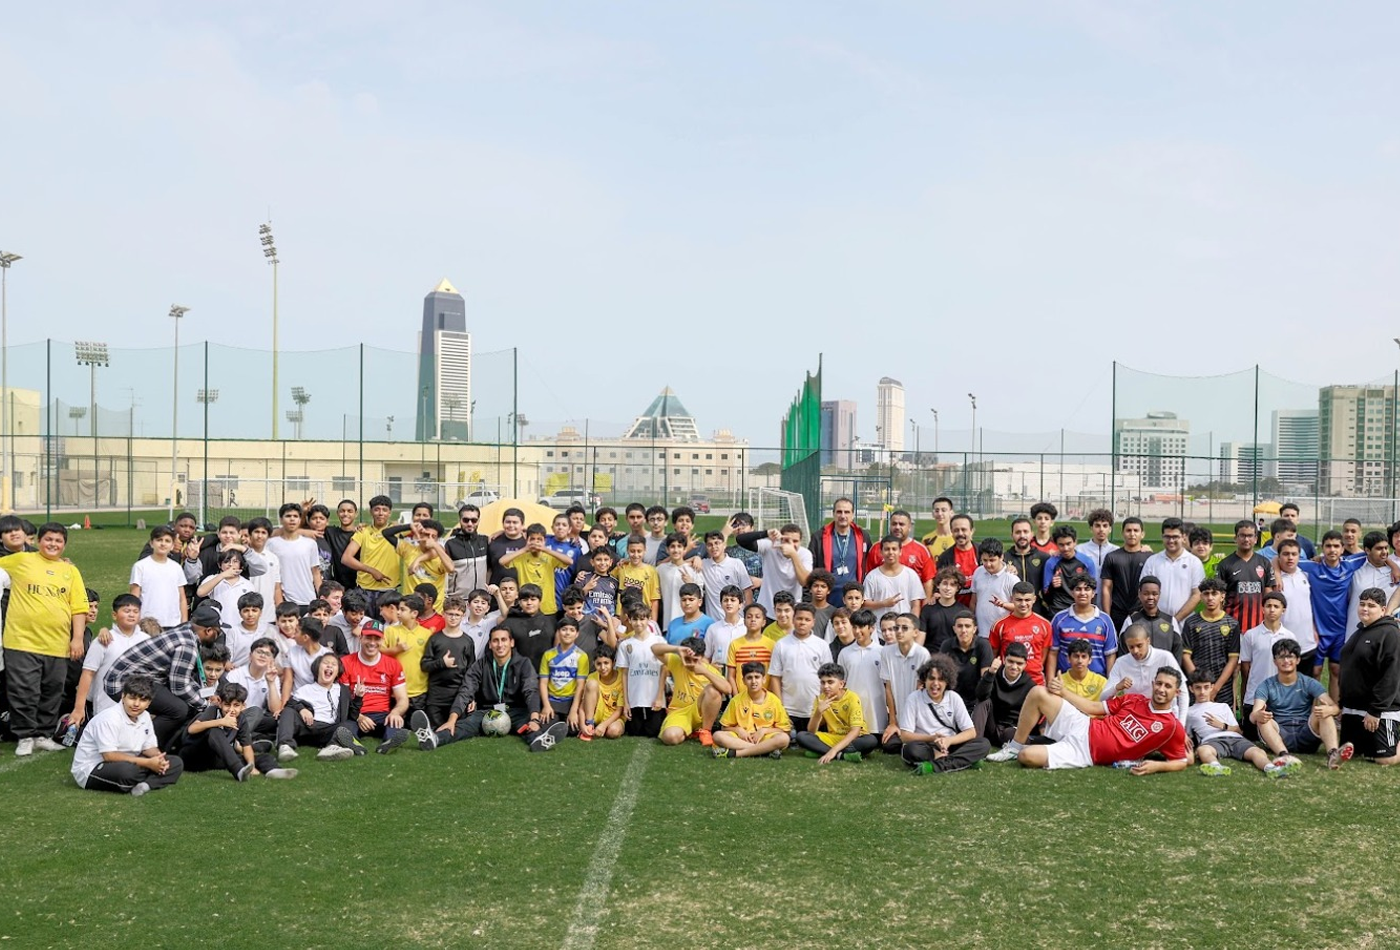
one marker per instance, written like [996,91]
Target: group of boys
[236,650]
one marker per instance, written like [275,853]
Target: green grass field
[628,844]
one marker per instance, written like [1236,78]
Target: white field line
[597,885]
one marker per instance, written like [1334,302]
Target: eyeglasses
[263,652]
[470,520]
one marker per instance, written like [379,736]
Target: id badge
[842,570]
[499,707]
[206,693]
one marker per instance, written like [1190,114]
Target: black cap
[207,615]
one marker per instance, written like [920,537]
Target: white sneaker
[422,731]
[45,744]
[24,747]
[1006,753]
[335,753]
[285,753]
[280,773]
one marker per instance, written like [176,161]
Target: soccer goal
[773,508]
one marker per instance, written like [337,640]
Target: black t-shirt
[1062,597]
[498,549]
[1124,568]
[534,634]
[937,622]
[971,663]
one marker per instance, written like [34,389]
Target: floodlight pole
[8,448]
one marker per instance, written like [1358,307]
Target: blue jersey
[680,628]
[1065,628]
[1331,593]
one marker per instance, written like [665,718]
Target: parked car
[567,497]
[481,498]
[700,504]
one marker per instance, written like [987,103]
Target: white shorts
[1070,730]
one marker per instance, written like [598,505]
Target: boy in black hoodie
[1370,682]
[1001,693]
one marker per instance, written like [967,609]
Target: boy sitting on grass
[1213,728]
[754,723]
[602,697]
[840,725]
[118,751]
[210,741]
[697,691]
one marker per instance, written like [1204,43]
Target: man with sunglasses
[468,551]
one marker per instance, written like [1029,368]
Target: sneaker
[335,753]
[1287,765]
[139,789]
[286,752]
[1274,770]
[852,756]
[719,753]
[1006,753]
[45,744]
[423,731]
[776,754]
[24,747]
[549,737]
[1214,768]
[586,733]
[393,738]
[281,773]
[346,740]
[1342,753]
[924,768]
[243,773]
[811,755]
[706,738]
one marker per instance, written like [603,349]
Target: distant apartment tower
[1356,436]
[1153,448]
[889,415]
[1239,462]
[838,432]
[444,368]
[1296,446]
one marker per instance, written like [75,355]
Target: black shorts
[1371,745]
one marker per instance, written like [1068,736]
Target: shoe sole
[338,755]
[287,756]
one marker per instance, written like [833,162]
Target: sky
[1000,199]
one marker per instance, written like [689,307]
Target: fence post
[47,455]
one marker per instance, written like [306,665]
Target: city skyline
[582,168]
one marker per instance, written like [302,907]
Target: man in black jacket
[1370,682]
[506,682]
[468,552]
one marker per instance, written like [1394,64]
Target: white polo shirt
[1179,578]
[797,659]
[111,730]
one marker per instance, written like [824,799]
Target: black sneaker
[776,754]
[423,730]
[392,740]
[719,753]
[346,740]
[547,738]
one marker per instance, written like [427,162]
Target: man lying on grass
[1088,732]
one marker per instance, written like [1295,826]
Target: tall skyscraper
[889,415]
[838,432]
[1296,444]
[444,367]
[1356,436]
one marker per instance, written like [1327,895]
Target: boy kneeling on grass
[839,721]
[602,697]
[1213,728]
[118,751]
[755,722]
[211,740]
[697,690]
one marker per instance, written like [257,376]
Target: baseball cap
[372,630]
[207,615]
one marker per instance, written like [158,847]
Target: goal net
[774,507]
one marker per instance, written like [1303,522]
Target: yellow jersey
[414,677]
[45,596]
[1089,687]
[774,632]
[755,715]
[688,685]
[937,544]
[844,715]
[563,670]
[609,695]
[378,552]
[537,567]
[744,650]
[643,577]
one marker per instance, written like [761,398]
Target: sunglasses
[470,520]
